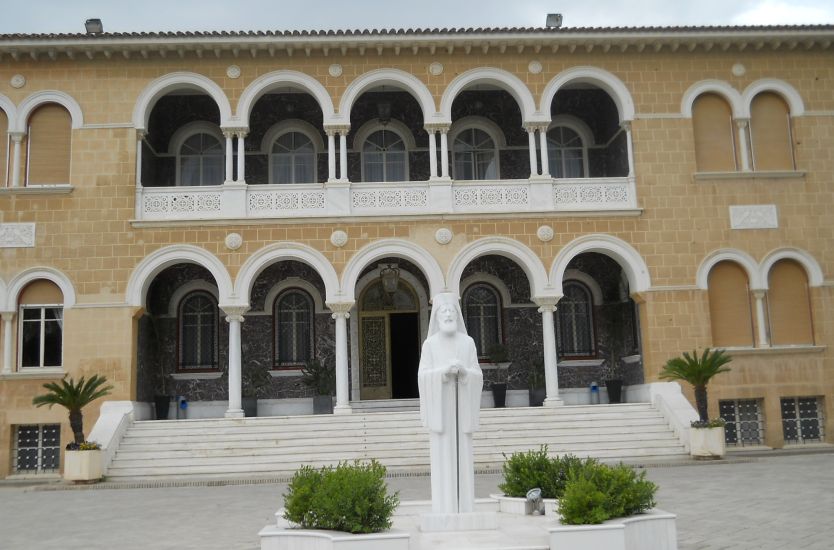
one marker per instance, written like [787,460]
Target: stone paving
[765,502]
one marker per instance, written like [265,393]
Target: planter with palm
[322,378]
[706,436]
[536,383]
[82,459]
[501,359]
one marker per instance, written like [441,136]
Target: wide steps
[278,446]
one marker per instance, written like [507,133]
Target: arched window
[41,325]
[293,316]
[482,310]
[198,325]
[4,149]
[384,157]
[770,133]
[475,155]
[200,155]
[575,321]
[566,152]
[712,123]
[730,313]
[292,159]
[789,305]
[49,139]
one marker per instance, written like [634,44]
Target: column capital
[432,127]
[7,316]
[337,128]
[340,309]
[228,133]
[759,293]
[546,303]
[626,125]
[742,122]
[17,137]
[234,313]
[531,127]
[140,134]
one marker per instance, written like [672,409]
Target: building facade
[202,214]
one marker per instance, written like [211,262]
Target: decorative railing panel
[181,203]
[500,196]
[266,203]
[594,194]
[407,197]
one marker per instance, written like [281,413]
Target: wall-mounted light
[94,26]
[383,109]
[390,277]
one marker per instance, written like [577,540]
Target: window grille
[294,328]
[198,332]
[482,310]
[575,321]
[744,423]
[802,419]
[37,448]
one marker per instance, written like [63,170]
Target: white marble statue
[450,382]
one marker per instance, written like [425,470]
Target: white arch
[508,248]
[28,105]
[803,258]
[179,81]
[154,263]
[296,283]
[601,78]
[397,248]
[617,249]
[491,280]
[371,126]
[189,287]
[19,282]
[292,125]
[275,252]
[3,298]
[496,77]
[8,107]
[785,90]
[712,86]
[740,257]
[482,123]
[387,77]
[263,84]
[588,281]
[189,129]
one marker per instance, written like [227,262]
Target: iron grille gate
[744,424]
[37,448]
[802,419]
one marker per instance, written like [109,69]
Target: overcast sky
[41,16]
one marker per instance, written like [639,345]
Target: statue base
[466,521]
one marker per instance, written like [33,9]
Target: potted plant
[536,383]
[500,358]
[706,437]
[82,460]
[254,381]
[322,378]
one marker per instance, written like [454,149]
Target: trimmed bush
[531,469]
[350,497]
[596,492]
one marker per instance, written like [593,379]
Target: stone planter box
[520,506]
[282,538]
[82,465]
[654,530]
[707,443]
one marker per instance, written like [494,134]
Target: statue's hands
[456,370]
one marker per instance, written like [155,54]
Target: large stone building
[200,214]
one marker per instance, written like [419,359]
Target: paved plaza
[764,501]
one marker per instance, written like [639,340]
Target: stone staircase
[277,446]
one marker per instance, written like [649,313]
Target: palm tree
[74,396]
[698,371]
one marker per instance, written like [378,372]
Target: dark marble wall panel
[505,269]
[495,105]
[174,111]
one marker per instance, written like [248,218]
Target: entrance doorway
[389,342]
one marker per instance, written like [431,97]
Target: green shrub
[350,497]
[623,493]
[531,469]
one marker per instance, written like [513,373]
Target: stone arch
[28,106]
[19,282]
[496,77]
[265,83]
[588,281]
[803,258]
[601,78]
[8,107]
[740,257]
[501,246]
[397,248]
[153,264]
[179,81]
[270,254]
[493,281]
[718,87]
[780,87]
[3,294]
[390,77]
[617,249]
[297,283]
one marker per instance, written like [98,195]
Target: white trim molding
[32,102]
[183,290]
[179,81]
[284,78]
[617,249]
[745,260]
[179,137]
[373,125]
[712,86]
[588,281]
[19,282]
[803,258]
[3,297]
[9,109]
[491,280]
[613,86]
[779,87]
[496,77]
[386,77]
[293,283]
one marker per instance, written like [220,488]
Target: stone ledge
[775,350]
[749,175]
[57,189]
[42,373]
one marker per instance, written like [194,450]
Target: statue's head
[448,318]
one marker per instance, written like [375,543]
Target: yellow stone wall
[88,234]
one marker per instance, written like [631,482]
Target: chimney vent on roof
[94,26]
[554,20]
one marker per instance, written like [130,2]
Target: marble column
[8,330]
[343,157]
[626,124]
[140,137]
[543,151]
[444,152]
[229,135]
[17,139]
[547,307]
[742,125]
[341,313]
[531,147]
[331,155]
[761,321]
[432,153]
[234,316]
[241,156]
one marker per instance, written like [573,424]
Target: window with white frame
[384,157]
[293,328]
[743,423]
[41,335]
[200,160]
[36,449]
[802,419]
[292,159]
[567,153]
[198,327]
[482,312]
[475,155]
[575,321]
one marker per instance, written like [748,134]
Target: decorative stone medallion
[335,70]
[18,81]
[754,216]
[436,68]
[339,238]
[234,241]
[233,71]
[545,233]
[535,67]
[738,69]
[17,235]
[443,235]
